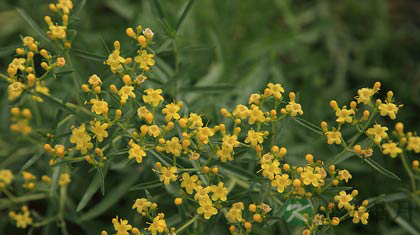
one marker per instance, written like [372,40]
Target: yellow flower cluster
[23,219]
[20,120]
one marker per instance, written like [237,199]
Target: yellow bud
[335,221]
[178,201]
[353,105]
[332,168]
[335,182]
[144,129]
[53,7]
[15,111]
[238,121]
[286,167]
[127,79]
[365,202]
[297,183]
[67,45]
[333,104]
[309,158]
[182,122]
[27,113]
[357,149]
[252,207]
[136,231]
[399,127]
[31,79]
[118,114]
[299,170]
[113,88]
[117,45]
[130,32]
[158,165]
[215,170]
[142,40]
[232,229]
[324,126]
[20,51]
[354,193]
[376,86]
[44,53]
[206,169]
[85,88]
[275,149]
[97,89]
[257,218]
[248,226]
[415,164]
[366,114]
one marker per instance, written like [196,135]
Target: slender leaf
[184,14]
[146,185]
[34,25]
[91,190]
[308,125]
[381,169]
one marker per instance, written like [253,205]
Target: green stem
[76,80]
[180,229]
[409,172]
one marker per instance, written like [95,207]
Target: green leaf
[111,198]
[88,55]
[146,185]
[381,169]
[102,181]
[402,222]
[308,125]
[184,14]
[55,101]
[91,190]
[32,23]
[31,161]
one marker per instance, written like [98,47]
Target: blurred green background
[225,50]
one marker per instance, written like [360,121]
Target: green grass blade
[381,169]
[32,23]
[184,14]
[91,190]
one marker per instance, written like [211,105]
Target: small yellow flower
[6,177]
[389,109]
[365,95]
[168,174]
[271,169]
[144,113]
[94,80]
[413,144]
[241,111]
[158,225]
[145,60]
[195,121]
[153,97]
[281,182]
[136,152]
[391,148]
[360,215]
[344,115]
[99,106]
[225,154]
[344,175]
[333,137]
[142,205]
[235,212]
[254,137]
[276,90]
[65,5]
[173,146]
[125,92]
[99,130]
[22,219]
[189,182]
[255,115]
[203,134]
[57,32]
[254,99]
[378,133]
[206,208]
[311,177]
[292,107]
[114,59]
[81,138]
[121,226]
[219,192]
[171,111]
[153,130]
[343,199]
[14,90]
[201,193]
[64,179]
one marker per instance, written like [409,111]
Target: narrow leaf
[381,169]
[32,23]
[146,185]
[90,191]
[308,125]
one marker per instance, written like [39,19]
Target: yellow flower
[413,144]
[153,130]
[99,130]
[333,137]
[224,154]
[201,193]
[171,111]
[281,182]
[145,60]
[142,205]
[254,137]
[311,177]
[114,59]
[14,90]
[189,182]
[255,115]
[203,134]
[195,121]
[143,112]
[293,108]
[344,175]
[136,152]
[389,109]
[343,199]
[365,95]
[64,179]
[121,227]
[168,174]
[173,146]
[99,106]
[241,111]
[65,5]
[158,225]
[360,215]
[391,148]
[57,32]
[94,80]
[271,169]
[206,208]
[125,92]
[318,219]
[344,115]
[378,132]
[254,99]
[235,212]
[219,192]
[41,89]
[153,97]
[18,63]
[6,177]
[276,90]
[230,142]
[22,219]
[81,138]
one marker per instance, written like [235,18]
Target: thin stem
[180,229]
[409,172]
